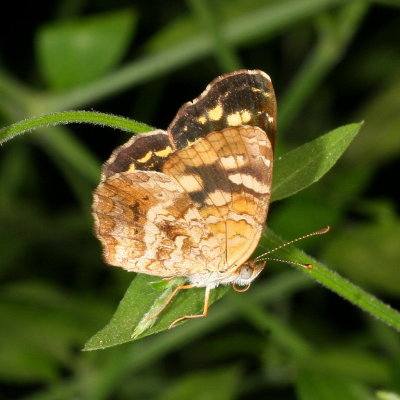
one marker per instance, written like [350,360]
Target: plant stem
[69,117]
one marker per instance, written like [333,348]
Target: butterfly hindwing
[145,152]
[148,224]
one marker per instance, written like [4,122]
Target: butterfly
[192,201]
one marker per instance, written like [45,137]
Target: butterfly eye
[246,272]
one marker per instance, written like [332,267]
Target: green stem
[265,321]
[223,50]
[267,20]
[68,154]
[69,117]
[357,296]
[338,284]
[12,90]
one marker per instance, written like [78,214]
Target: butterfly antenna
[308,266]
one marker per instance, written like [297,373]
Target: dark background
[334,64]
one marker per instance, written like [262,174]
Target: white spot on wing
[218,198]
[231,162]
[190,182]
[249,182]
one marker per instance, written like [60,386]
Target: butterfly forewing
[228,176]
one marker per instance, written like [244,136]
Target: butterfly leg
[171,296]
[203,314]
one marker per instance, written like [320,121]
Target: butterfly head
[246,274]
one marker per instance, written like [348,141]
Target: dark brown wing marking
[144,152]
[234,99]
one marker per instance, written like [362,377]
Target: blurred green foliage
[332,62]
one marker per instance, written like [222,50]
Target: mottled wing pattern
[228,175]
[148,224]
[238,98]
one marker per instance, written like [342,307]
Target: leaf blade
[140,300]
[71,53]
[308,163]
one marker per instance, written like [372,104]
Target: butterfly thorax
[242,276]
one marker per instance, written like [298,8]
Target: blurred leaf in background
[332,62]
[79,51]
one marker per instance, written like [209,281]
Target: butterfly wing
[144,152]
[228,176]
[148,224]
[215,161]
[244,97]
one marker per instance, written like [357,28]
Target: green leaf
[42,325]
[382,119]
[142,300]
[361,365]
[22,362]
[375,267]
[205,385]
[79,51]
[317,385]
[383,395]
[308,163]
